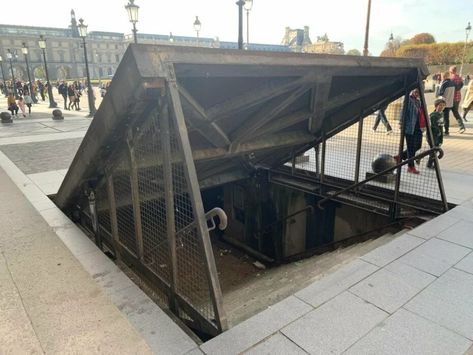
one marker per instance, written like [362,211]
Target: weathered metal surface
[231,96]
[178,120]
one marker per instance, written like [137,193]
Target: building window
[117,58]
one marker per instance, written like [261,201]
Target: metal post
[429,134]
[135,38]
[13,78]
[467,32]
[4,81]
[90,93]
[52,103]
[35,100]
[247,29]
[240,4]
[367,30]
[169,196]
[358,150]
[401,149]
[113,215]
[196,199]
[94,219]
[135,198]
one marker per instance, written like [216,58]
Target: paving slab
[459,233]
[385,254]
[276,344]
[16,331]
[390,290]
[335,326]
[448,302]
[435,256]
[433,227]
[466,264]
[252,331]
[408,334]
[333,284]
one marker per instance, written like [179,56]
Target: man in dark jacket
[62,88]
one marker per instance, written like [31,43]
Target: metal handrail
[353,186]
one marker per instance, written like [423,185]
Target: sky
[342,20]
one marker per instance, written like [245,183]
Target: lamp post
[10,57]
[367,30]
[42,45]
[240,4]
[3,77]
[467,33]
[90,94]
[197,27]
[391,44]
[248,6]
[24,50]
[132,10]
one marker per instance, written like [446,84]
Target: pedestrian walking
[62,89]
[447,91]
[28,102]
[468,100]
[458,81]
[381,117]
[414,123]
[22,106]
[436,123]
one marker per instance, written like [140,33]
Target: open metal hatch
[179,120]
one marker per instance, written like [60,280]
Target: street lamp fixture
[367,30]
[3,77]
[467,33]
[10,58]
[82,27]
[90,94]
[24,50]
[42,45]
[132,10]
[248,5]
[240,4]
[197,27]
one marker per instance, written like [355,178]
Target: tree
[422,38]
[353,52]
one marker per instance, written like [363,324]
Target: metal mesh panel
[103,214]
[148,154]
[125,217]
[378,137]
[193,283]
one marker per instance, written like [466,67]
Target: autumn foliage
[423,46]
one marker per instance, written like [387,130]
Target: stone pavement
[410,296]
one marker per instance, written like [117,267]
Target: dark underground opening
[277,241]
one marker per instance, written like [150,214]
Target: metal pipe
[240,4]
[367,30]
[52,103]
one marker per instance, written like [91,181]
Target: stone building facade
[65,55]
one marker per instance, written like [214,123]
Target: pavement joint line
[22,301]
[436,323]
[42,138]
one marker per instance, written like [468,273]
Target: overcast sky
[342,20]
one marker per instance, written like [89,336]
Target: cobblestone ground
[42,156]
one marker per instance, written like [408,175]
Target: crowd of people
[21,95]
[414,119]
